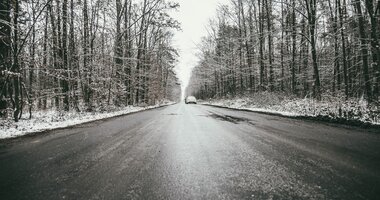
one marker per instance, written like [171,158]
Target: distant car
[191,99]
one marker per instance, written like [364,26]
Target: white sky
[194,16]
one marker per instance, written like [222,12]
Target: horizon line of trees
[86,54]
[305,48]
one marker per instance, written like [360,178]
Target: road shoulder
[375,128]
[47,122]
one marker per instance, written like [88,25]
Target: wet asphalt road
[194,152]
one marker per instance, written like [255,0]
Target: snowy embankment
[52,119]
[337,110]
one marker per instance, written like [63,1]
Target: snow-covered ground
[52,119]
[352,110]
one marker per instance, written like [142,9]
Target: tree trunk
[375,46]
[364,51]
[16,67]
[282,84]
[250,52]
[141,42]
[311,13]
[65,82]
[73,65]
[55,52]
[261,41]
[128,51]
[270,45]
[294,43]
[344,54]
[45,60]
[118,47]
[87,82]
[241,30]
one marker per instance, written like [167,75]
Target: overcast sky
[194,16]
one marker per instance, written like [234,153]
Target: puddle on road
[172,114]
[229,118]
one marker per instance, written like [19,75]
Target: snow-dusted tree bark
[87,93]
[373,9]
[364,51]
[16,67]
[65,68]
[311,8]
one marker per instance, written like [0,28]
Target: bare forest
[324,50]
[85,55]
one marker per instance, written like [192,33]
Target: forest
[85,55]
[323,50]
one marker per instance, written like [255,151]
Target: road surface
[194,152]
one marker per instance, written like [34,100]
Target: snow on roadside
[349,110]
[240,104]
[51,119]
